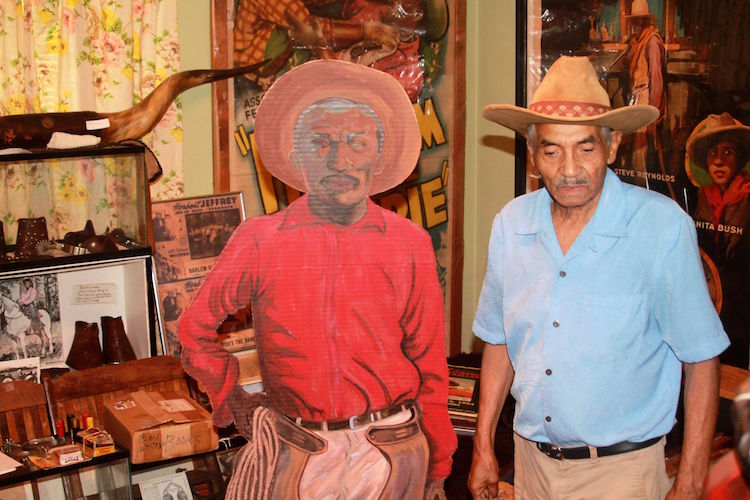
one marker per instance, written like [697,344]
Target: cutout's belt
[352,422]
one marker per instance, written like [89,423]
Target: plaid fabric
[256,19]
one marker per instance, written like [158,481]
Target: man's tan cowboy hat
[639,8]
[322,79]
[571,94]
[730,129]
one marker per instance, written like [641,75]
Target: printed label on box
[175,405]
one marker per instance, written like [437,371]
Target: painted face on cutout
[337,151]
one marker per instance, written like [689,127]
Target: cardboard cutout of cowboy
[347,308]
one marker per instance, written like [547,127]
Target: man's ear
[616,139]
[379,168]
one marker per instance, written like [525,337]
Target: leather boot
[86,352]
[117,347]
[30,233]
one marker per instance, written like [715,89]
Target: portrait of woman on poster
[718,152]
[720,146]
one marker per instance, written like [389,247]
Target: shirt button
[548,371]
[555,323]
[563,274]
[548,418]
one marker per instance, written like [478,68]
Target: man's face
[572,160]
[722,163]
[338,156]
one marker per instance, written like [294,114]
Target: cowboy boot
[117,347]
[31,232]
[86,352]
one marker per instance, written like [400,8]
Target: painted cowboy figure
[593,304]
[347,309]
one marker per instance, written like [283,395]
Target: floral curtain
[76,55]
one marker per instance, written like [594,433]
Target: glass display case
[74,247]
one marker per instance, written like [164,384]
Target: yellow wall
[490,78]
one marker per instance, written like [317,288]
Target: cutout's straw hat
[731,130]
[327,78]
[571,94]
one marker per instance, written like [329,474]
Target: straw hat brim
[697,144]
[322,79]
[626,119]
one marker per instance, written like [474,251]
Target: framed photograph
[172,486]
[428,60]
[690,60]
[20,369]
[189,235]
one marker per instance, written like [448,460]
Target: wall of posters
[690,60]
[419,42]
[189,235]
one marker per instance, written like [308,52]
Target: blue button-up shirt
[597,336]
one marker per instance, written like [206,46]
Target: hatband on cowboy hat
[701,137]
[322,79]
[571,94]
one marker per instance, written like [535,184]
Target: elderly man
[347,309]
[593,303]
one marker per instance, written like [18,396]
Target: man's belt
[352,422]
[580,452]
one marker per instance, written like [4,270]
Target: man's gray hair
[605,132]
[337,105]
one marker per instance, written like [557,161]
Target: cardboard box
[155,426]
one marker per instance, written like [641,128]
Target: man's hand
[680,492]
[484,475]
[435,489]
[384,35]
[242,404]
[305,35]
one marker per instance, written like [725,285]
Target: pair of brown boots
[86,352]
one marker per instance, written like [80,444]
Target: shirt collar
[610,218]
[298,214]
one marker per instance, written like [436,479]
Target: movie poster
[690,60]
[413,40]
[189,235]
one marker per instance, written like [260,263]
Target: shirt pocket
[614,324]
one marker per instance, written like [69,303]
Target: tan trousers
[639,474]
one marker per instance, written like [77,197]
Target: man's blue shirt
[597,336]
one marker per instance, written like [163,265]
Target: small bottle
[89,422]
[60,429]
[74,430]
[84,419]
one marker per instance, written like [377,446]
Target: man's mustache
[339,178]
[575,181]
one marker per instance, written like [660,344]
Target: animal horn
[135,122]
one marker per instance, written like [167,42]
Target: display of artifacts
[463,391]
[690,60]
[20,369]
[167,487]
[30,319]
[189,234]
[418,42]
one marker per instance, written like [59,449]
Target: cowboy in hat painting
[347,309]
[647,86]
[593,302]
[718,154]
